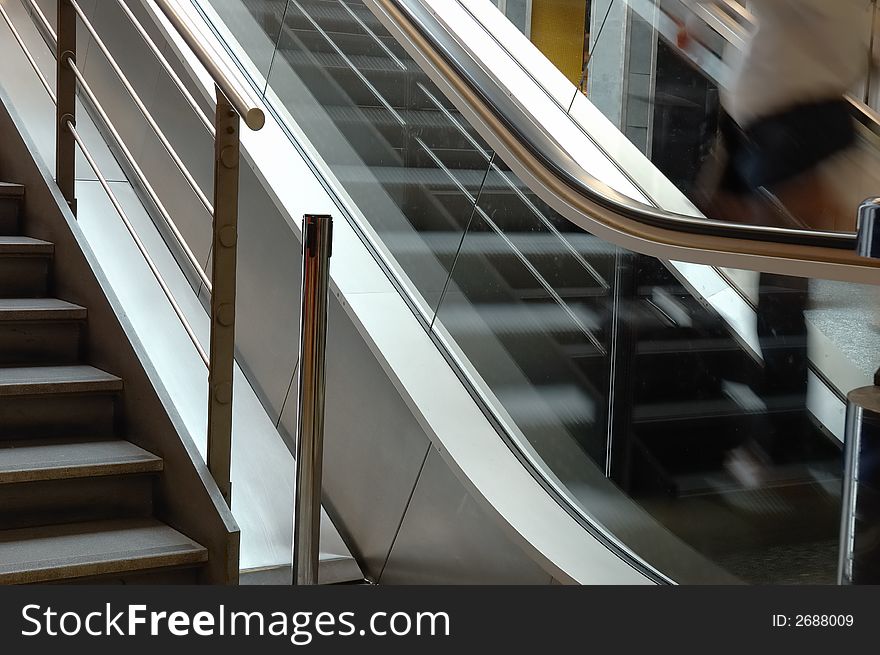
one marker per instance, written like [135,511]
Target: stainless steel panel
[143,16]
[373,446]
[84,46]
[134,59]
[188,212]
[129,50]
[184,130]
[446,538]
[105,159]
[267,330]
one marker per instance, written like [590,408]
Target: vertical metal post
[859,561]
[868,242]
[65,85]
[317,249]
[859,554]
[226,176]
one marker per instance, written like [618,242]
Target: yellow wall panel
[558,31]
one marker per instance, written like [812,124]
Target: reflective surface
[692,414]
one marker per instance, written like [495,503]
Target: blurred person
[785,112]
[785,117]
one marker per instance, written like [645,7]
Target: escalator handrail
[561,174]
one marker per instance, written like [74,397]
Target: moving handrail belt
[560,174]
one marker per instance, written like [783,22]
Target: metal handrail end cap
[255,119]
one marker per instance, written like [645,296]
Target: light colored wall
[606,80]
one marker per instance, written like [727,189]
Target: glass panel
[527,305]
[409,161]
[256,25]
[696,414]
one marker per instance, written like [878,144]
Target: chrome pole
[859,555]
[317,249]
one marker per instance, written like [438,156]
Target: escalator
[592,351]
[565,284]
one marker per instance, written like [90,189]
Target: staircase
[76,498]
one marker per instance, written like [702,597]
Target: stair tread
[32,461]
[11,190]
[17,245]
[58,552]
[22,309]
[56,379]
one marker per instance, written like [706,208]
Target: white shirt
[799,51]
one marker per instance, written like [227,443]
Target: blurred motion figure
[786,114]
[785,118]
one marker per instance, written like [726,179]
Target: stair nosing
[102,383]
[107,563]
[147,463]
[62,311]
[25,246]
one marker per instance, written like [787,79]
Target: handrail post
[65,85]
[859,554]
[317,249]
[222,355]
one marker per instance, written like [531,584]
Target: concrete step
[24,267]
[101,548]
[48,401]
[75,499]
[11,196]
[42,460]
[39,309]
[34,380]
[40,331]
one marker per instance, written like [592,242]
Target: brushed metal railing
[234,104]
